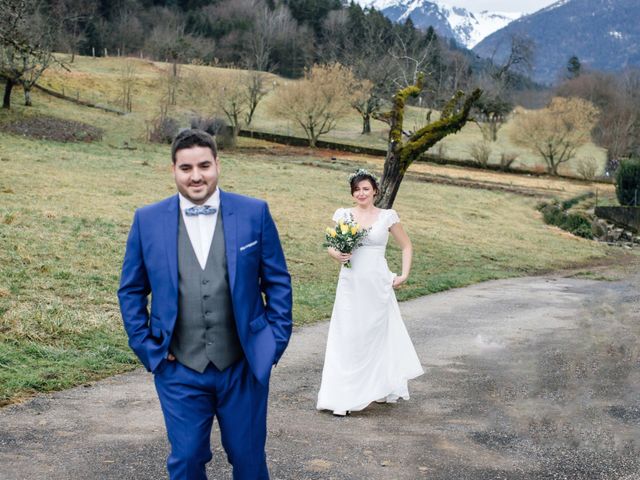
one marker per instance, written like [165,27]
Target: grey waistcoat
[205,329]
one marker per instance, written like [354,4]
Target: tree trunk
[391,179]
[27,97]
[6,102]
[366,124]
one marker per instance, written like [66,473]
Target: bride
[369,355]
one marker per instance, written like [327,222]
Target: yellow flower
[333,233]
[354,230]
[329,230]
[344,228]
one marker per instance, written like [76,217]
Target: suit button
[209,343]
[205,296]
[204,282]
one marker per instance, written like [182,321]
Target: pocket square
[249,245]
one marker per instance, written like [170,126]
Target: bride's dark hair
[360,175]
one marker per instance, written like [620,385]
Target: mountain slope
[603,34]
[466,27]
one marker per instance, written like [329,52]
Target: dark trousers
[190,400]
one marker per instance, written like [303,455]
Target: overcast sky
[524,6]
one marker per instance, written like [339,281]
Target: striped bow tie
[200,210]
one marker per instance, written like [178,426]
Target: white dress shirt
[201,227]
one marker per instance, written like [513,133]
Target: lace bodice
[379,233]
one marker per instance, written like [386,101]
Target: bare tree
[72,17]
[556,132]
[318,101]
[367,55]
[255,86]
[518,59]
[413,60]
[25,47]
[268,27]
[618,99]
[126,82]
[493,108]
[169,82]
[128,31]
[400,152]
[234,94]
[231,99]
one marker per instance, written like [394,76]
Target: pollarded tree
[319,100]
[557,131]
[401,151]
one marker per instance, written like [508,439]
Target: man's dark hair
[192,137]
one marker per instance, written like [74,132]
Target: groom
[220,313]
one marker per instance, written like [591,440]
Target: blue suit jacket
[255,264]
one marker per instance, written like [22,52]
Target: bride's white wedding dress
[369,354]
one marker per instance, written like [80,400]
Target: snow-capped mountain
[466,27]
[603,34]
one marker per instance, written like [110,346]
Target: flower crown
[362,172]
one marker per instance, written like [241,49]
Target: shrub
[506,160]
[577,223]
[480,152]
[587,168]
[162,129]
[567,204]
[216,127]
[628,182]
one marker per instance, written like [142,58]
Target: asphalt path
[530,378]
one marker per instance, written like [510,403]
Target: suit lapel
[229,223]
[171,239]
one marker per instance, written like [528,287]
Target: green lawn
[65,211]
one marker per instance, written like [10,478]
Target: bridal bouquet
[345,237]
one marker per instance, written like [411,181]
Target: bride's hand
[339,256]
[343,257]
[399,280]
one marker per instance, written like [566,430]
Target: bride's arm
[404,242]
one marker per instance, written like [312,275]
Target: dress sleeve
[338,215]
[391,218]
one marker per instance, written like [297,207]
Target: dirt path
[531,378]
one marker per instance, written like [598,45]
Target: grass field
[65,211]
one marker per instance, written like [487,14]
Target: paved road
[531,378]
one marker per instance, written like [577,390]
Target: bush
[162,129]
[577,223]
[628,183]
[587,168]
[480,152]
[506,160]
[218,128]
[567,204]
